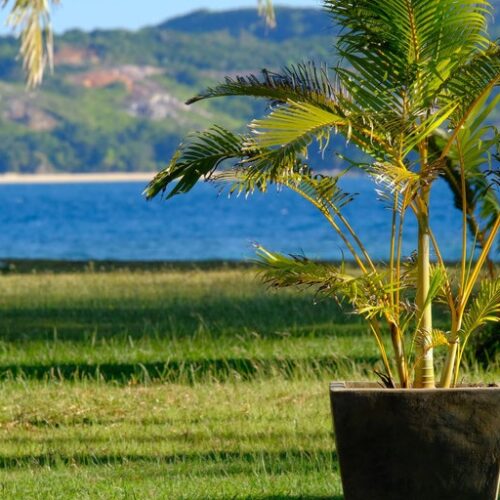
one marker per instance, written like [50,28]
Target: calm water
[113,221]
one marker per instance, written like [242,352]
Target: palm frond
[468,85]
[197,159]
[32,19]
[303,82]
[297,122]
[392,178]
[323,190]
[437,285]
[485,308]
[259,171]
[477,143]
[395,43]
[426,127]
[281,271]
[310,87]
[365,293]
[439,338]
[373,301]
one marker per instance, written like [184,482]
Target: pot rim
[352,386]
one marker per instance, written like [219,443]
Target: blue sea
[113,221]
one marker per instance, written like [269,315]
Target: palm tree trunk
[449,367]
[424,372]
[400,355]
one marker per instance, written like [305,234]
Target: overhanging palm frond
[197,159]
[267,11]
[308,89]
[322,191]
[253,168]
[32,18]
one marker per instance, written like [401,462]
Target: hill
[116,99]
[293,23]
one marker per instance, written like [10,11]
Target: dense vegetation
[150,383]
[134,121]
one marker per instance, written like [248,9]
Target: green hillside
[116,99]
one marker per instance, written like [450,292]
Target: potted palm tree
[414,92]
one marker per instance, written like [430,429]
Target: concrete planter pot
[421,444]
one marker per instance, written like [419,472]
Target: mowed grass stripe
[171,305]
[257,438]
[151,481]
[192,326]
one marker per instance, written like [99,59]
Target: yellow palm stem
[464,217]
[479,264]
[375,328]
[450,363]
[424,371]
[399,353]
[393,244]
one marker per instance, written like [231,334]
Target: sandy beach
[64,178]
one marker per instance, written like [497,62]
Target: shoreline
[81,178]
[99,177]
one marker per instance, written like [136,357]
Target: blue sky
[133,14]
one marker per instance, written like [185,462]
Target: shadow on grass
[29,266]
[295,497]
[190,371]
[194,438]
[210,463]
[177,317]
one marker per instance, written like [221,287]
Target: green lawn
[171,384]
